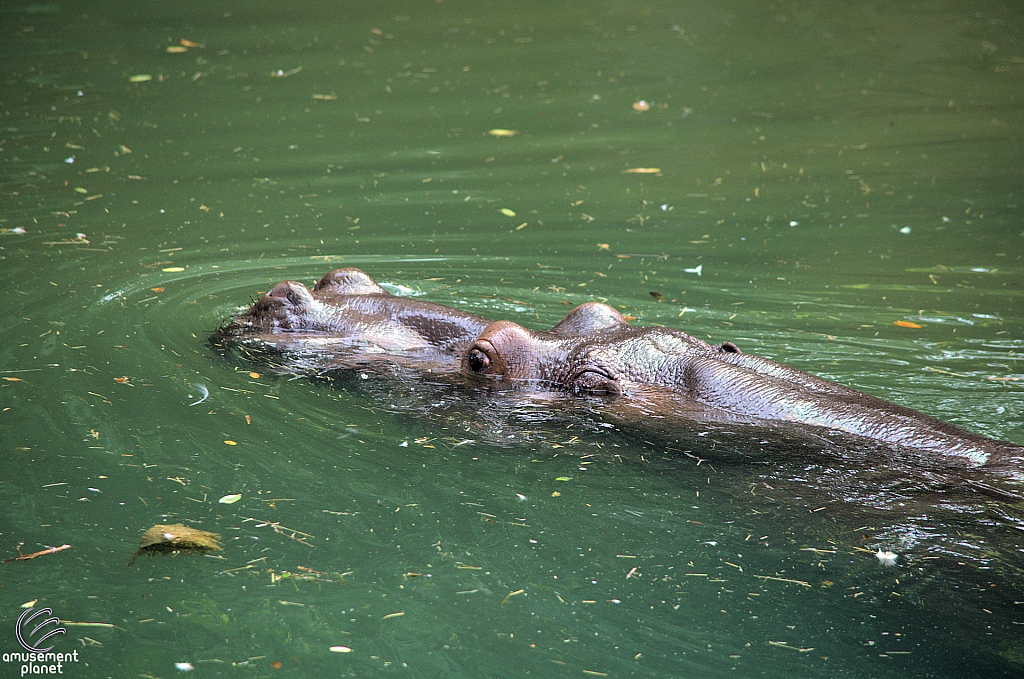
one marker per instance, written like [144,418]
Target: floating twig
[108,625]
[783,644]
[41,552]
[795,582]
[512,594]
[290,533]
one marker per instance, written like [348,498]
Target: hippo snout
[293,292]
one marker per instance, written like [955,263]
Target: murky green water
[819,171]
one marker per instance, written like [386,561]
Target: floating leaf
[79,189]
[906,324]
[141,78]
[498,132]
[255,376]
[642,170]
[188,43]
[340,649]
[564,478]
[173,269]
[230,442]
[230,499]
[641,106]
[508,213]
[176,49]
[158,289]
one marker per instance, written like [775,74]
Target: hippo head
[593,350]
[286,306]
[507,351]
[291,306]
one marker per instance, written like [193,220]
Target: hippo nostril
[478,361]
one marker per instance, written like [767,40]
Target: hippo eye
[591,382]
[478,361]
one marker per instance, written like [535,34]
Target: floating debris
[641,106]
[203,391]
[502,133]
[176,538]
[886,558]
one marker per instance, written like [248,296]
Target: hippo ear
[502,349]
[349,282]
[589,318]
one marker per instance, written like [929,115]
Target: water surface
[818,173]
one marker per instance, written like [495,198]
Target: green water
[829,168]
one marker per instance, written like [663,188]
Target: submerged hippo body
[348,317]
[594,350]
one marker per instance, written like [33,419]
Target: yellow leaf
[642,170]
[176,49]
[230,442]
[508,213]
[503,133]
[141,78]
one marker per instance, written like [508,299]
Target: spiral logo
[25,636]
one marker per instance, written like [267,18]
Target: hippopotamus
[593,350]
[651,377]
[347,318]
